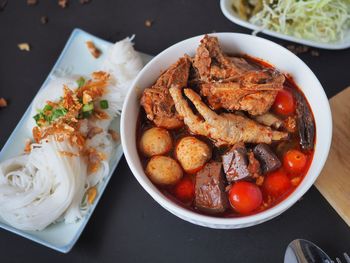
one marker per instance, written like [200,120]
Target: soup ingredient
[155,141]
[245,197]
[269,119]
[238,166]
[284,103]
[156,100]
[163,170]
[306,125]
[212,64]
[184,190]
[225,129]
[241,85]
[294,161]
[210,196]
[254,92]
[277,183]
[268,160]
[290,124]
[316,20]
[192,154]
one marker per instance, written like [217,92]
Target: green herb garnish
[81,82]
[104,104]
[37,118]
[88,107]
[56,114]
[47,108]
[86,114]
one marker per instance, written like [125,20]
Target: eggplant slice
[306,125]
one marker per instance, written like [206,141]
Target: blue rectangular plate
[76,59]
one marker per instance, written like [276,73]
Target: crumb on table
[24,46]
[95,52]
[3,103]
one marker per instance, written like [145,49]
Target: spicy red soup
[225,135]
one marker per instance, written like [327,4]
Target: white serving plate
[74,59]
[230,14]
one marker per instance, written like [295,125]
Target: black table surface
[128,225]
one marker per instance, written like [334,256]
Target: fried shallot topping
[63,119]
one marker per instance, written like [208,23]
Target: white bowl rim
[221,221]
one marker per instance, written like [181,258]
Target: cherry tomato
[277,183]
[284,103]
[184,190]
[245,197]
[294,161]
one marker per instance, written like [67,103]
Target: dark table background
[127,225]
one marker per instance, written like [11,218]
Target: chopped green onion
[86,114]
[88,107]
[104,104]
[81,82]
[37,117]
[47,107]
[58,113]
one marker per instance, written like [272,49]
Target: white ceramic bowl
[232,43]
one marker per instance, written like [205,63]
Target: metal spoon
[304,251]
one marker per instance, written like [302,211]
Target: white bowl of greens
[318,23]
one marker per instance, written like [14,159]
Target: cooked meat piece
[156,100]
[192,153]
[210,194]
[213,64]
[224,129]
[164,170]
[254,165]
[155,141]
[269,162]
[235,163]
[239,164]
[269,119]
[290,124]
[255,92]
[306,125]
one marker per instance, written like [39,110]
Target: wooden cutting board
[334,181]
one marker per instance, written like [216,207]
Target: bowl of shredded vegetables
[318,23]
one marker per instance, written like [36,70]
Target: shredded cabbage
[317,20]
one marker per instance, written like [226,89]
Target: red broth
[279,149]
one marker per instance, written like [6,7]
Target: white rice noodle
[36,190]
[45,186]
[123,63]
